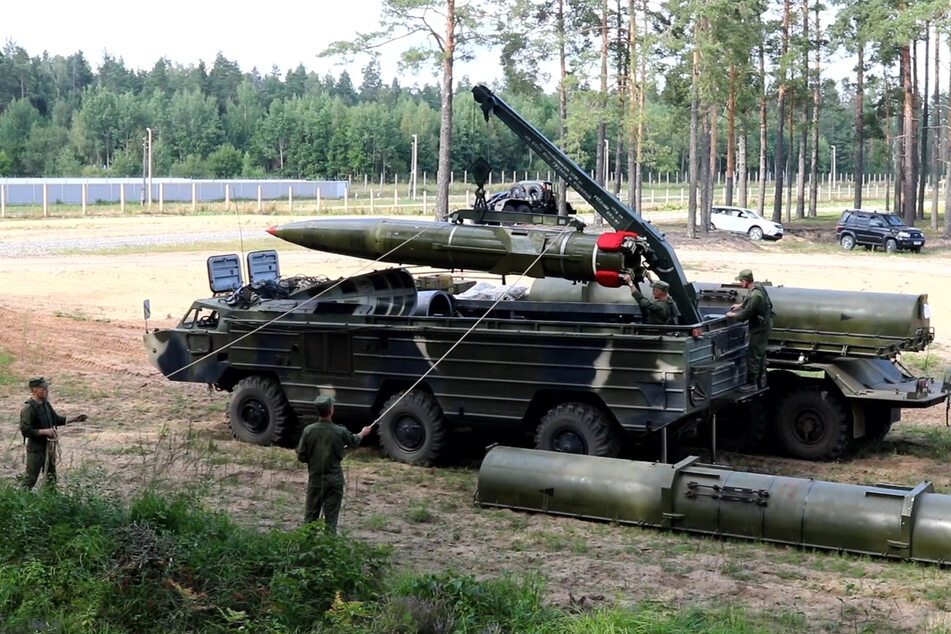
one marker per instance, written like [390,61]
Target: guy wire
[469,331]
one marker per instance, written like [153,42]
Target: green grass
[7,376]
[159,564]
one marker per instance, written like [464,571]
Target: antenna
[146,313]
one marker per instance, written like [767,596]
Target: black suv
[873,229]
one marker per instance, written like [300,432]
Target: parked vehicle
[876,229]
[526,196]
[742,220]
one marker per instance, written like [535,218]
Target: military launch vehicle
[573,365]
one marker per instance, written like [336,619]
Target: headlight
[904,234]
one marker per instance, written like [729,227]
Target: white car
[740,220]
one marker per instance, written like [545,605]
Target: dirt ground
[78,319]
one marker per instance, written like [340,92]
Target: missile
[500,250]
[912,523]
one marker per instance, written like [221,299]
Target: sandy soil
[78,319]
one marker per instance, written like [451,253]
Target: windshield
[894,221]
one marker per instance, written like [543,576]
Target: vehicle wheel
[258,413]
[523,209]
[813,424]
[847,241]
[508,207]
[755,233]
[414,430]
[891,246]
[742,427]
[577,428]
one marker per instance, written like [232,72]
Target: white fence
[86,191]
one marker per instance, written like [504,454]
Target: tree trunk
[706,188]
[789,158]
[601,156]
[642,111]
[923,161]
[803,120]
[814,163]
[562,101]
[780,159]
[632,88]
[908,133]
[761,202]
[947,164]
[742,167]
[803,147]
[731,137]
[936,156]
[713,167]
[694,153]
[859,125]
[444,170]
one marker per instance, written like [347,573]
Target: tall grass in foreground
[79,560]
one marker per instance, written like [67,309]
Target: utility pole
[832,176]
[149,185]
[413,162]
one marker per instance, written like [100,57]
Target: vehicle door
[876,230]
[719,217]
[859,226]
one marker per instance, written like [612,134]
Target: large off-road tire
[813,424]
[258,412]
[755,233]
[577,428]
[891,245]
[847,241]
[742,427]
[414,430]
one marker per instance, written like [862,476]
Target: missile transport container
[578,377]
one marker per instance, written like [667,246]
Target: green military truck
[580,378]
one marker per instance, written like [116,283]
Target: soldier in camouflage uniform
[322,448]
[659,309]
[757,309]
[38,421]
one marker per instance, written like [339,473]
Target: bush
[79,560]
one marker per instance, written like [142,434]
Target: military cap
[745,275]
[38,382]
[662,285]
[324,400]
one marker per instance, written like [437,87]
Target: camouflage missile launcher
[577,378]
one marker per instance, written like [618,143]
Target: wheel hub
[568,441]
[254,415]
[809,427]
[409,433]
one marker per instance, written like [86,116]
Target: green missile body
[887,521]
[500,250]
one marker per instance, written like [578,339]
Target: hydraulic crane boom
[661,258]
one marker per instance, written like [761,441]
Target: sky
[258,34]
[262,35]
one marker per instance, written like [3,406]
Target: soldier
[38,421]
[660,309]
[756,309]
[321,447]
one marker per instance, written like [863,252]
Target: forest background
[701,90]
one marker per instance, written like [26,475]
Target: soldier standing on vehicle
[757,309]
[659,309]
[322,447]
[38,422]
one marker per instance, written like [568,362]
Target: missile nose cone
[272,230]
